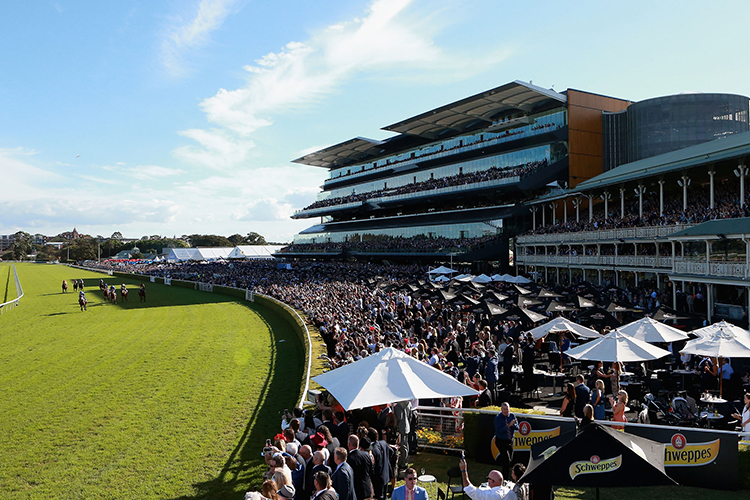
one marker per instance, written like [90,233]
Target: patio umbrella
[387,377]
[494,296]
[616,346]
[723,344]
[615,307]
[527,301]
[442,270]
[555,306]
[723,326]
[597,457]
[664,313]
[651,331]
[482,278]
[522,290]
[582,302]
[558,325]
[544,294]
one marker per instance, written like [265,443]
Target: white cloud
[266,209]
[218,149]
[182,35]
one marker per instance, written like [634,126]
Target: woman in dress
[616,370]
[597,400]
[618,409]
[569,401]
[744,418]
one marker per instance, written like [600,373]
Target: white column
[674,294]
[622,203]
[533,216]
[709,302]
[544,221]
[639,192]
[741,172]
[591,207]
[606,197]
[565,211]
[577,204]
[661,197]
[553,206]
[684,182]
[711,174]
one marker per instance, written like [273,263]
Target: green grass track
[171,398]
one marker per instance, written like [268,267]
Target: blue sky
[182,117]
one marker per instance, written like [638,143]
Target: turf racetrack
[171,398]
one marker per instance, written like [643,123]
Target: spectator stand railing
[19,294]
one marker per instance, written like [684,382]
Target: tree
[117,235]
[21,246]
[209,240]
[237,239]
[83,249]
[255,239]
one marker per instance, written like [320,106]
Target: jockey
[82,295]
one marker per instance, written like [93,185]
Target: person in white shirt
[744,418]
[494,489]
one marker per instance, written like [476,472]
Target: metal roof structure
[734,146]
[480,110]
[715,229]
[353,150]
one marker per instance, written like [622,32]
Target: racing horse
[75,285]
[112,294]
[142,292]
[64,286]
[82,302]
[124,292]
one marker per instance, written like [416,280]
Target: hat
[318,439]
[291,448]
[286,491]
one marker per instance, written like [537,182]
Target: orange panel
[586,119]
[586,143]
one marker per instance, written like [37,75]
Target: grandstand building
[453,181]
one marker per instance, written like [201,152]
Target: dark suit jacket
[342,432]
[381,467]
[363,471]
[310,470]
[583,395]
[331,447]
[343,482]
[325,495]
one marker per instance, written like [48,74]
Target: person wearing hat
[286,492]
[343,477]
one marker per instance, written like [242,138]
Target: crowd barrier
[288,314]
[12,304]
[693,456]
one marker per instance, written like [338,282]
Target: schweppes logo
[526,437]
[680,453]
[594,465]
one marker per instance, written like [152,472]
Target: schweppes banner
[696,457]
[531,430]
[594,465]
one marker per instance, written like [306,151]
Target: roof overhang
[476,111]
[354,150]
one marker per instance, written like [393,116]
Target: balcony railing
[678,265]
[604,235]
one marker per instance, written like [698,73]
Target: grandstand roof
[480,109]
[733,146]
[353,150]
[716,228]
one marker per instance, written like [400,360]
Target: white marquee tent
[254,251]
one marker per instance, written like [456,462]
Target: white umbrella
[650,330]
[387,377]
[441,270]
[723,344]
[482,278]
[723,326]
[616,346]
[563,325]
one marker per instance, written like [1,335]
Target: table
[683,373]
[431,482]
[711,416]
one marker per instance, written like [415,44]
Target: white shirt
[745,417]
[485,493]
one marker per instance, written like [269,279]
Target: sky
[183,116]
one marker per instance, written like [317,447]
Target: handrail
[11,304]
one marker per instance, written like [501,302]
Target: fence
[19,294]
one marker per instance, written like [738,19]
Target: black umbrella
[665,313]
[597,315]
[527,301]
[547,294]
[583,302]
[555,306]
[597,457]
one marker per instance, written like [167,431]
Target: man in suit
[316,464]
[485,397]
[342,427]
[410,490]
[361,463]
[323,490]
[343,477]
[583,396]
[403,410]
[381,465]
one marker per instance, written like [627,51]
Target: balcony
[678,265]
[603,236]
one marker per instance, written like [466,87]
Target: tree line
[89,248]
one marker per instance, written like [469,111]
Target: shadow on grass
[244,465]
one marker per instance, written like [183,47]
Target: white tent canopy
[563,325]
[482,278]
[387,377]
[723,326]
[721,345]
[254,251]
[650,330]
[616,346]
